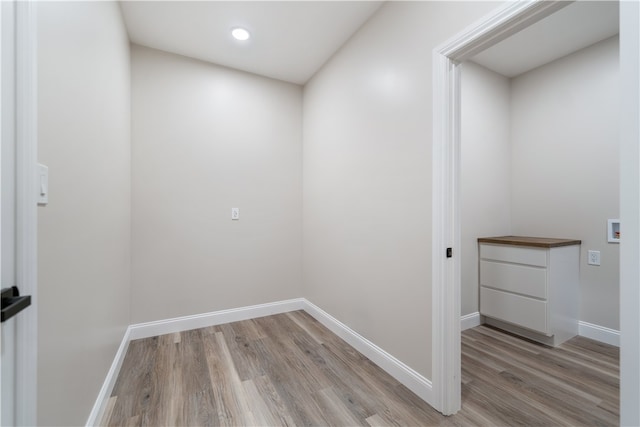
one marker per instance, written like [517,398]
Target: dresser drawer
[515,254]
[521,279]
[522,311]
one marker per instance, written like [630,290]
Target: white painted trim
[469,321]
[446,371]
[630,213]
[394,367]
[26,209]
[178,324]
[599,333]
[585,329]
[502,23]
[110,381]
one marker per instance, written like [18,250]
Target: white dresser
[530,286]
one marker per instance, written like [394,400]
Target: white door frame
[26,209]
[446,220]
[7,204]
[630,213]
[504,22]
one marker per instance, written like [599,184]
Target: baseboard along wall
[587,330]
[110,381]
[185,323]
[397,369]
[599,333]
[469,321]
[179,324]
[411,379]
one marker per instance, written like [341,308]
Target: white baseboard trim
[179,324]
[110,381]
[397,369]
[394,367]
[587,330]
[469,321]
[599,333]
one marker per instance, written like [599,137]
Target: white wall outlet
[235,213]
[593,257]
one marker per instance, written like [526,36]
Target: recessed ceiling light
[240,34]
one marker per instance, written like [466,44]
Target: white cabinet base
[530,286]
[552,341]
[526,312]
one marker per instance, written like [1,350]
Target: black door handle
[13,303]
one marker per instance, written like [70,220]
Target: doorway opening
[448,59]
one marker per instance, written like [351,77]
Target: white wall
[559,165]
[206,139]
[367,176]
[485,154]
[565,164]
[84,232]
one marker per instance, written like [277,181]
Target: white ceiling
[572,28]
[290,40]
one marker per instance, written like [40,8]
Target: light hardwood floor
[288,369]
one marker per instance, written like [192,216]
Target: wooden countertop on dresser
[536,242]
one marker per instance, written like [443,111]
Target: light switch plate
[43,184]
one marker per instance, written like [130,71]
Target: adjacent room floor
[288,369]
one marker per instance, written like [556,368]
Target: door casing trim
[495,27]
[26,208]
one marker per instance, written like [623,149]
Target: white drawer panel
[517,254]
[522,311]
[517,278]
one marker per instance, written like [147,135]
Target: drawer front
[517,254]
[522,311]
[516,278]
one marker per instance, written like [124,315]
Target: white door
[18,330]
[7,207]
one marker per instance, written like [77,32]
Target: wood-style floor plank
[289,370]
